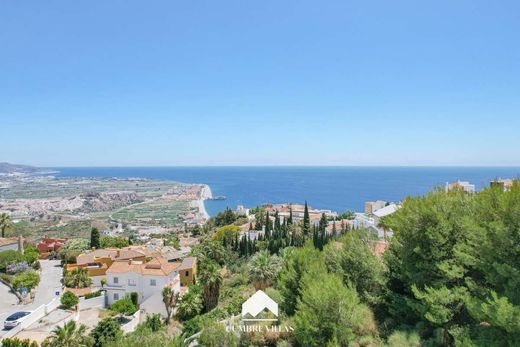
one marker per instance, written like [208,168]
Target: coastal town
[147,269]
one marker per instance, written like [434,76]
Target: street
[50,283]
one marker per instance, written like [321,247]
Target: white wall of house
[121,284]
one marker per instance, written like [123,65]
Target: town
[117,281]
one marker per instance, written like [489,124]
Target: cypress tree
[267,226]
[290,220]
[306,221]
[94,238]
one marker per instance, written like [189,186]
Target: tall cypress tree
[306,221]
[267,226]
[94,238]
[290,221]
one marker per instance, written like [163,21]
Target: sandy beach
[204,195]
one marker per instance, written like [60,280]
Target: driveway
[39,330]
[50,283]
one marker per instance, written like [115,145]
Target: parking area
[42,328]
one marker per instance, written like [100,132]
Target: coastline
[205,194]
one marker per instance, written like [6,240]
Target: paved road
[50,283]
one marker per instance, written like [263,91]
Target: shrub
[69,300]
[36,265]
[13,269]
[28,279]
[153,322]
[124,306]
[10,257]
[215,335]
[16,342]
[93,294]
[134,297]
[105,332]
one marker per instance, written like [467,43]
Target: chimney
[20,244]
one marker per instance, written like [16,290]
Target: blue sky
[118,83]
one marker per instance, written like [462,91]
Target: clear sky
[271,82]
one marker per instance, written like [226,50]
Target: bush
[28,279]
[124,306]
[216,335]
[13,269]
[36,265]
[69,300]
[16,342]
[134,297]
[10,257]
[105,332]
[153,322]
[93,294]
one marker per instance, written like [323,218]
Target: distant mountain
[7,168]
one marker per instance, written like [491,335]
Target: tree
[28,279]
[190,303]
[226,233]
[77,278]
[210,278]
[5,223]
[170,298]
[72,248]
[94,238]
[225,217]
[113,242]
[360,269]
[106,332]
[123,307]
[16,342]
[69,300]
[296,263]
[69,336]
[263,269]
[330,312]
[211,251]
[215,335]
[306,221]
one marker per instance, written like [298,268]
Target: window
[116,296]
[153,283]
[187,273]
[131,282]
[116,280]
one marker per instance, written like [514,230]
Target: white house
[464,185]
[242,211]
[146,279]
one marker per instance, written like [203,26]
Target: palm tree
[263,269]
[69,336]
[77,278]
[5,223]
[210,278]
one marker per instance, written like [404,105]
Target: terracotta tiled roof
[79,291]
[157,266]
[113,253]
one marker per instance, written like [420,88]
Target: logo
[259,314]
[259,307]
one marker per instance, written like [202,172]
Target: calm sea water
[335,188]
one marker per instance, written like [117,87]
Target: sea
[339,189]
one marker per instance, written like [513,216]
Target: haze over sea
[336,188]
